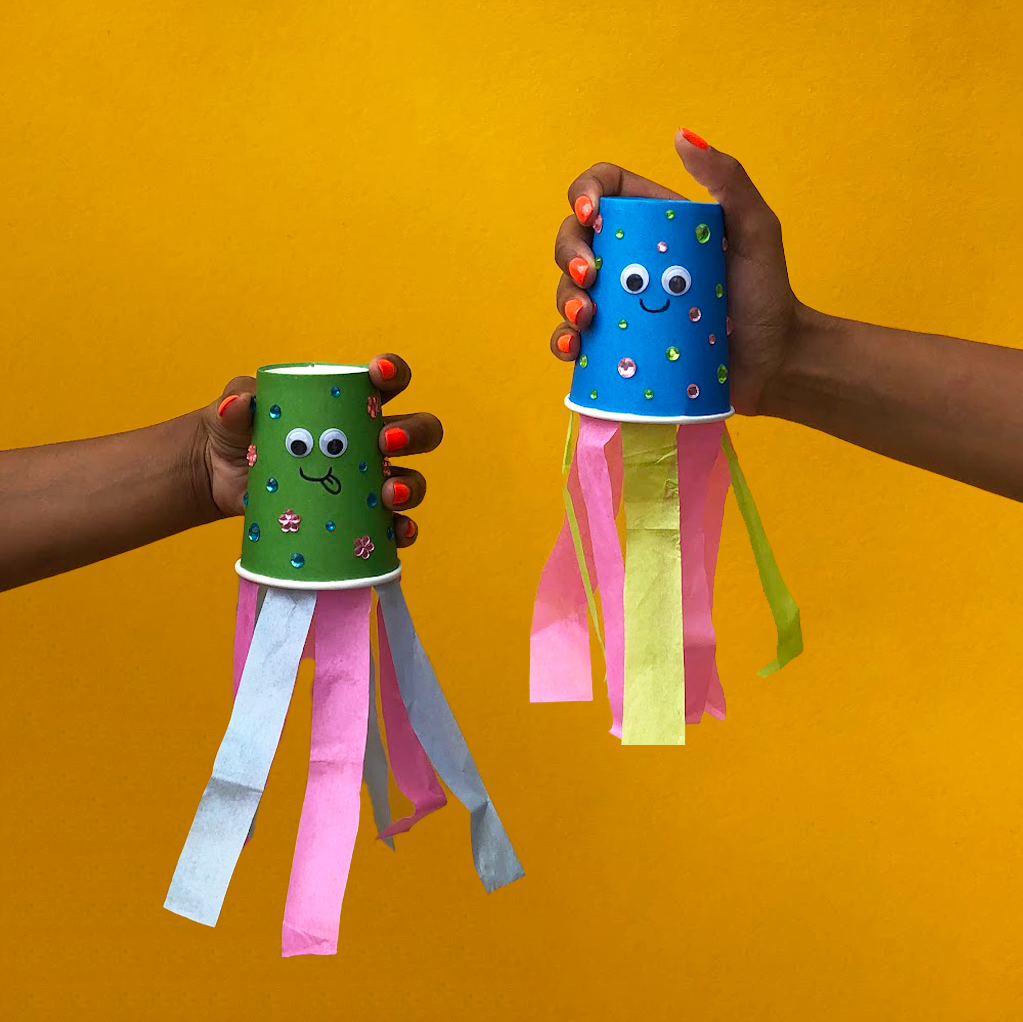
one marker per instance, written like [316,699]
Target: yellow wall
[190,190]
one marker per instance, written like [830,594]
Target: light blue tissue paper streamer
[374,765]
[435,727]
[243,761]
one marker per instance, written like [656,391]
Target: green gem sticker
[722,373]
[583,361]
[672,354]
[622,324]
[719,290]
[702,233]
[648,394]
[593,395]
[598,262]
[619,233]
[669,214]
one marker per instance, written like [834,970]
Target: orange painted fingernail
[387,368]
[410,528]
[693,139]
[565,343]
[578,268]
[227,400]
[572,310]
[400,493]
[394,438]
[583,208]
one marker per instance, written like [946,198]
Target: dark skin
[947,405]
[69,504]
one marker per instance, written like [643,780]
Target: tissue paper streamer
[243,762]
[783,607]
[595,436]
[698,450]
[413,772]
[559,642]
[375,769]
[337,745]
[714,513]
[428,712]
[655,694]
[657,600]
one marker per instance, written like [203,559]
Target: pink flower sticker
[250,455]
[363,547]
[386,468]
[373,406]
[290,521]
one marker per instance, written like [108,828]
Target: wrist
[803,372]
[194,469]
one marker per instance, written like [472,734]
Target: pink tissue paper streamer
[244,626]
[330,810]
[559,639]
[600,465]
[720,482]
[413,772]
[698,446]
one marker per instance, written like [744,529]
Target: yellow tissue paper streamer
[655,691]
[573,527]
[783,607]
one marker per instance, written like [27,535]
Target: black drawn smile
[330,482]
[661,309]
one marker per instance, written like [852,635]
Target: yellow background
[191,190]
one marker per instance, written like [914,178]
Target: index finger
[390,375]
[585,192]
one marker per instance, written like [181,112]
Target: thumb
[749,222]
[232,412]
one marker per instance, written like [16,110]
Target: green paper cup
[314,514]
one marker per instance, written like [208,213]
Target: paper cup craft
[317,542]
[650,391]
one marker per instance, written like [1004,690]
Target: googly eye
[299,442]
[635,278]
[333,443]
[676,280]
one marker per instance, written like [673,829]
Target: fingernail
[394,438]
[400,493]
[572,310]
[578,268]
[693,139]
[728,326]
[565,343]
[387,368]
[583,208]
[410,528]
[227,400]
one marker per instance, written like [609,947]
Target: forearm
[73,503]
[954,407]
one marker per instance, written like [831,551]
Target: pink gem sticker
[662,246]
[627,368]
[598,224]
[364,547]
[692,390]
[373,406]
[290,521]
[385,467]
[250,455]
[712,339]
[695,315]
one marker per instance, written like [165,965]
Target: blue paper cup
[657,349]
